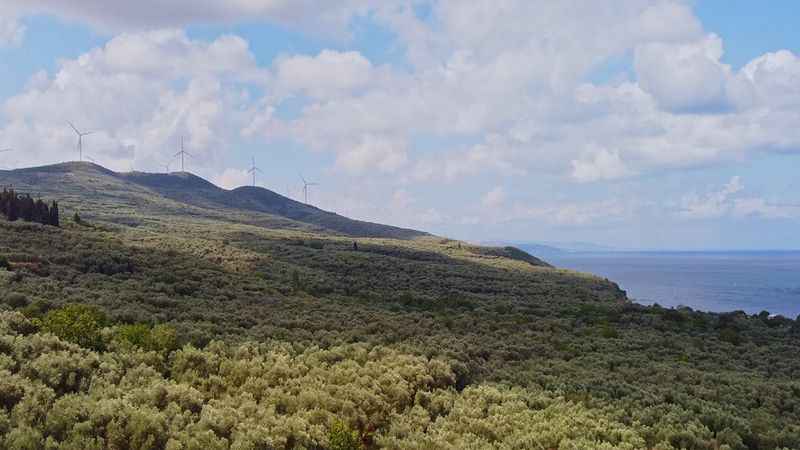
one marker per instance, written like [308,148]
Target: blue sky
[649,124]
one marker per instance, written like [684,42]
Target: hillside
[122,196]
[223,321]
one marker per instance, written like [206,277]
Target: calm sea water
[709,281]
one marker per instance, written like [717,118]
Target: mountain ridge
[189,189]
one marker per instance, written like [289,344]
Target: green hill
[241,319]
[123,196]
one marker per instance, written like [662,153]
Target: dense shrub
[16,300]
[341,437]
[76,323]
[274,396]
[105,263]
[160,338]
[554,338]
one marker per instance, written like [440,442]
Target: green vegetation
[154,324]
[342,437]
[79,324]
[14,206]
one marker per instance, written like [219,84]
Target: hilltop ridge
[111,192]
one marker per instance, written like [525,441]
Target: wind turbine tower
[182,153]
[253,170]
[80,139]
[306,185]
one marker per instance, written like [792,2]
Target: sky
[636,124]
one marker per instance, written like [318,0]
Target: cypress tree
[39,213]
[13,211]
[26,206]
[54,220]
[4,202]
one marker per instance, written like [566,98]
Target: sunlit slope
[130,197]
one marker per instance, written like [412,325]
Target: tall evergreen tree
[54,219]
[39,213]
[4,200]
[26,206]
[13,210]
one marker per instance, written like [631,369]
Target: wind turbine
[306,185]
[182,153]
[80,139]
[166,166]
[253,170]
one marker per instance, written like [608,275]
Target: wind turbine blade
[89,132]
[73,127]
[302,178]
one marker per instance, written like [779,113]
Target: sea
[751,281]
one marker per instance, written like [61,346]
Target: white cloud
[494,198]
[601,164]
[232,178]
[575,213]
[379,152]
[759,207]
[669,21]
[770,80]
[327,75]
[495,154]
[684,77]
[468,82]
[402,199]
[376,202]
[713,204]
[139,93]
[11,30]
[731,201]
[124,15]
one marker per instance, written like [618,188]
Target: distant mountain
[555,248]
[541,249]
[575,247]
[119,196]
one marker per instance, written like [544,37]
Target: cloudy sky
[631,123]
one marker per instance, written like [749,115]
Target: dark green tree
[54,219]
[26,206]
[12,205]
